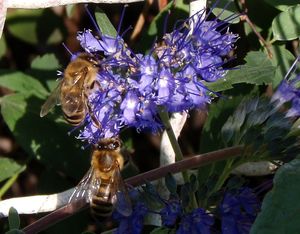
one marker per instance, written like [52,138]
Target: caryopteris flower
[131,224]
[238,211]
[198,221]
[173,75]
[171,213]
[288,91]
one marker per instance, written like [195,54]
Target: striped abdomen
[101,203]
[75,118]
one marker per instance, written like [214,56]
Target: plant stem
[8,184]
[244,17]
[178,154]
[226,172]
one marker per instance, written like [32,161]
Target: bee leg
[96,86]
[95,121]
[93,117]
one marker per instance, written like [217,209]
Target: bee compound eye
[93,61]
[117,144]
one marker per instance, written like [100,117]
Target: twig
[140,22]
[56,216]
[33,4]
[188,163]
[245,17]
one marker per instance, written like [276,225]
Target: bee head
[109,144]
[90,58]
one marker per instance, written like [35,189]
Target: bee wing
[86,188]
[78,76]
[51,101]
[73,100]
[120,197]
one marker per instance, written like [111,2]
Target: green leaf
[8,168]
[2,46]
[13,108]
[111,231]
[44,69]
[23,23]
[235,182]
[282,5]
[185,195]
[259,125]
[45,62]
[70,9]
[194,183]
[14,231]
[163,230]
[280,208]
[22,83]
[155,30]
[40,26]
[43,138]
[282,59]
[296,128]
[258,70]
[50,181]
[171,183]
[13,219]
[218,114]
[104,24]
[286,26]
[228,13]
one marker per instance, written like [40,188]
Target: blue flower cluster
[288,91]
[171,213]
[172,75]
[238,211]
[198,221]
[131,224]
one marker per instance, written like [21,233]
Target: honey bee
[103,186]
[73,90]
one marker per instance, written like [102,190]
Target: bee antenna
[92,19]
[83,147]
[69,51]
[71,131]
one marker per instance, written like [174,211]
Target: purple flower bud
[198,221]
[288,92]
[238,211]
[171,213]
